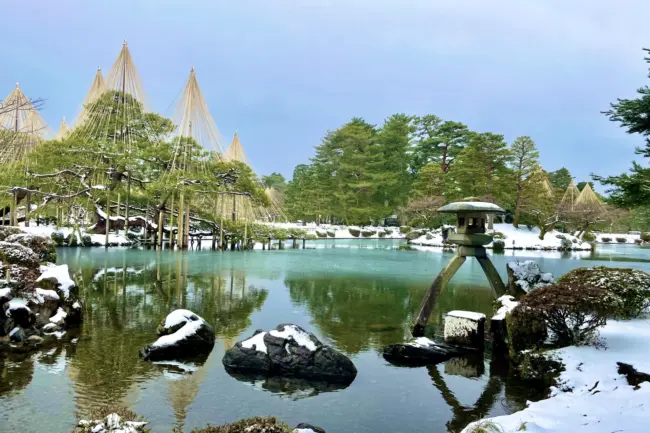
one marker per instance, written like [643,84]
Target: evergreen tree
[481,170]
[632,189]
[391,177]
[275,180]
[438,141]
[524,164]
[560,178]
[430,182]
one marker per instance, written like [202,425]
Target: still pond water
[355,295]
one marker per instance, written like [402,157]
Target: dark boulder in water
[289,351]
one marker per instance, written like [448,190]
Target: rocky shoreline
[39,301]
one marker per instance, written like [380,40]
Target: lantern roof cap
[471,206]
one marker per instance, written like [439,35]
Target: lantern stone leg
[492,275]
[437,287]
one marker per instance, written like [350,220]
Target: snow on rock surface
[526,276]
[183,334]
[289,351]
[508,304]
[59,317]
[62,276]
[49,295]
[465,328]
[591,396]
[113,423]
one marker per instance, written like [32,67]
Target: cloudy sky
[283,72]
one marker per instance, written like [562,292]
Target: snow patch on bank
[591,396]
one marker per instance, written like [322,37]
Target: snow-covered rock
[183,334]
[42,246]
[290,351]
[526,276]
[113,423]
[419,352]
[307,428]
[465,328]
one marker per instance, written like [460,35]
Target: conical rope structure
[243,207]
[97,89]
[64,130]
[21,127]
[588,198]
[570,197]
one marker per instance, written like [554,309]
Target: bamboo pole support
[186,229]
[108,214]
[161,220]
[171,222]
[179,233]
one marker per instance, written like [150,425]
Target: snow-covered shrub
[354,232]
[368,233]
[86,241]
[645,237]
[560,237]
[42,246]
[388,231]
[331,233]
[71,240]
[631,286]
[58,238]
[404,229]
[498,245]
[526,330]
[321,234]
[382,234]
[621,240]
[606,239]
[6,231]
[572,313]
[588,237]
[428,236]
[414,234]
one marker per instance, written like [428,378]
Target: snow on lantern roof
[471,206]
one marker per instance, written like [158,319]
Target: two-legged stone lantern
[470,237]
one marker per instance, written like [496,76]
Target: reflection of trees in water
[15,373]
[124,305]
[357,314]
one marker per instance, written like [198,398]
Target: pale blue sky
[283,72]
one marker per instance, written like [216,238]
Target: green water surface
[357,295]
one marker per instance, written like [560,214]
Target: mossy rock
[331,233]
[6,231]
[630,285]
[321,234]
[368,233]
[354,232]
[19,255]
[44,247]
[382,234]
[249,425]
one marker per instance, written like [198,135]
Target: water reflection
[356,299]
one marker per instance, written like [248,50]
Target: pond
[355,295]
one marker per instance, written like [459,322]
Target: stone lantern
[470,236]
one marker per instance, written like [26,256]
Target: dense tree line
[409,166]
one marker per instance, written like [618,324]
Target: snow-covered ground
[591,396]
[613,238]
[513,238]
[47,230]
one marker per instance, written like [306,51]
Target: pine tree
[560,178]
[481,170]
[524,164]
[391,177]
[438,141]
